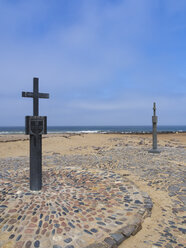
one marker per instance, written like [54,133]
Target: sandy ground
[18,145]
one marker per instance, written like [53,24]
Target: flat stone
[47,218]
[59,230]
[65,209]
[10,228]
[37,243]
[138,202]
[28,244]
[118,237]
[68,240]
[119,222]
[136,220]
[101,223]
[19,217]
[18,237]
[137,229]
[11,236]
[173,188]
[183,230]
[71,225]
[127,230]
[4,228]
[3,206]
[40,223]
[110,242]
[183,199]
[98,245]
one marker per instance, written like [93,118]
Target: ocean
[98,129]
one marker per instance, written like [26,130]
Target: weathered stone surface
[98,245]
[128,230]
[118,237]
[110,242]
[137,229]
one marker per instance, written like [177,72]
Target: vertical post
[35,145]
[154,134]
[154,108]
[35,162]
[154,131]
[36,99]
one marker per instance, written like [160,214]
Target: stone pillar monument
[154,131]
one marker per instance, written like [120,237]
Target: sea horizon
[99,129]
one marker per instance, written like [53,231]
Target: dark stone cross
[35,126]
[154,131]
[35,95]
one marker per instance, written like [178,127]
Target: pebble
[12,236]
[68,240]
[87,231]
[37,243]
[28,244]
[19,237]
[47,218]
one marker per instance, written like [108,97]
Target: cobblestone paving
[165,172]
[75,186]
[76,207]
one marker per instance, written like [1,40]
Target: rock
[127,230]
[110,242]
[137,229]
[98,245]
[118,237]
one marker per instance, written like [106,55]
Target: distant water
[98,129]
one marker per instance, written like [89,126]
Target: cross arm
[31,94]
[43,95]
[27,94]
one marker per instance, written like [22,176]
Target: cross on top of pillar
[35,95]
[154,108]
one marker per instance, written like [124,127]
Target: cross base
[154,151]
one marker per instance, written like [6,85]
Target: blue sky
[104,62]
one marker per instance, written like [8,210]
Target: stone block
[127,230]
[137,229]
[118,237]
[110,242]
[98,245]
